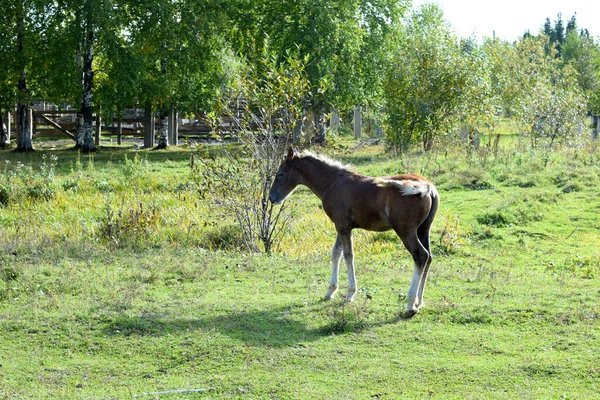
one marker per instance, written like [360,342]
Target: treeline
[408,65]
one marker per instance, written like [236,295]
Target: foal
[405,203]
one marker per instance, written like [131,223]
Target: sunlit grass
[168,300]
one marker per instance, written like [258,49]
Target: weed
[24,182]
[485,232]
[4,195]
[347,317]
[451,238]
[8,274]
[511,213]
[586,267]
[128,226]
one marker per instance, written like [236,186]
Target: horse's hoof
[350,298]
[410,313]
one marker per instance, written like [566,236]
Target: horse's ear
[290,154]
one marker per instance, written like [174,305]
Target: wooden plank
[55,125]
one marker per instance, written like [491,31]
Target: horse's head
[286,180]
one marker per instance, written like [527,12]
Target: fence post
[173,128]
[8,123]
[357,122]
[335,120]
[378,130]
[148,127]
[119,131]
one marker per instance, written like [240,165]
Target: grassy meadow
[117,280]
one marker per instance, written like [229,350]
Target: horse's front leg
[336,255]
[346,240]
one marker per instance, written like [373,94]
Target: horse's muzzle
[274,199]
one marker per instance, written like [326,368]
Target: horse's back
[363,202]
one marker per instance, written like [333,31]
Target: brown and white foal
[405,203]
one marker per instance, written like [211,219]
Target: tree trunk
[163,139]
[79,130]
[87,144]
[24,133]
[23,122]
[4,132]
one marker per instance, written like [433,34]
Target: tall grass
[129,200]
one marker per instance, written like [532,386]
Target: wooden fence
[48,121]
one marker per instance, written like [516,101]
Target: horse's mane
[326,160]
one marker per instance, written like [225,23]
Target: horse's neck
[319,176]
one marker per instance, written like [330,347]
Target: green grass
[121,281]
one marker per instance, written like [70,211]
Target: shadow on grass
[279,327]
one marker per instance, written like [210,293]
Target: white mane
[329,161]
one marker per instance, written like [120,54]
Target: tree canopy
[108,55]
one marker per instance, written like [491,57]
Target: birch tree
[23,21]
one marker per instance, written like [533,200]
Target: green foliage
[586,267]
[431,85]
[273,97]
[583,54]
[529,82]
[451,238]
[514,212]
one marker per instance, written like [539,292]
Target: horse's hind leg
[421,258]
[336,255]
[423,235]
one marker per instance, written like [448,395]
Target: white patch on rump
[407,187]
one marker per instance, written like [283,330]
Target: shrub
[239,183]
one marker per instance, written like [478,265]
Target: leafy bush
[239,184]
[431,84]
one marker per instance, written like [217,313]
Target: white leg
[420,257]
[413,306]
[349,258]
[336,255]
[422,283]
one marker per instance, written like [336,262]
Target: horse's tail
[435,202]
[411,187]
